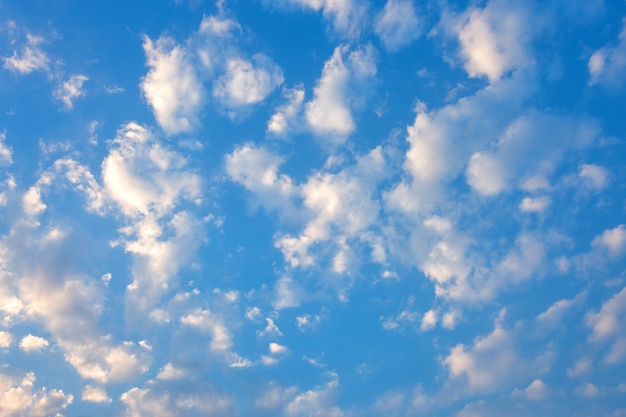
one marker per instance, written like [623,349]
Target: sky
[312,208]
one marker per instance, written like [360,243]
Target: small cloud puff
[30,57]
[30,343]
[247,82]
[70,90]
[397,24]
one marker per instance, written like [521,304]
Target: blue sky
[330,208]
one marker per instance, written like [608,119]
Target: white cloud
[316,402]
[30,57]
[288,294]
[608,327]
[337,92]
[6,153]
[283,119]
[172,372]
[492,363]
[523,151]
[607,64]
[594,176]
[537,390]
[212,323]
[142,176]
[275,348]
[6,339]
[397,24]
[442,141]
[346,16]
[494,40]
[31,201]
[18,398]
[613,240]
[270,329]
[95,395]
[247,82]
[172,87]
[178,399]
[535,204]
[30,343]
[554,315]
[429,320]
[257,169]
[70,90]
[587,391]
[343,205]
[485,174]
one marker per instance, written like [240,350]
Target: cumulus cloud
[95,395]
[612,240]
[29,58]
[607,64]
[70,90]
[30,343]
[336,93]
[523,151]
[283,119]
[594,176]
[6,339]
[492,363]
[247,82]
[172,87]
[178,399]
[346,16]
[608,326]
[535,204]
[397,24]
[6,153]
[318,402]
[256,169]
[494,40]
[19,397]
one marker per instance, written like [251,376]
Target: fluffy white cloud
[172,87]
[329,113]
[608,327]
[95,395]
[6,339]
[283,119]
[535,204]
[343,207]
[523,151]
[207,321]
[346,16]
[142,176]
[178,399]
[397,24]
[257,170]
[31,201]
[607,65]
[494,40]
[30,343]
[18,397]
[70,90]
[429,320]
[247,82]
[30,57]
[594,176]
[275,348]
[492,363]
[613,240]
[442,141]
[6,153]
[316,402]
